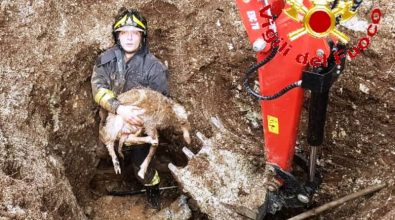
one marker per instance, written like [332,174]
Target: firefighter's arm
[101,91]
[157,78]
[106,98]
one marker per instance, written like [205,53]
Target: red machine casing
[281,116]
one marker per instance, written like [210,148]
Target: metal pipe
[131,193]
[312,162]
[317,117]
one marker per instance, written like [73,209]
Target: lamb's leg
[154,144]
[126,131]
[147,160]
[115,162]
[132,139]
[139,132]
[120,145]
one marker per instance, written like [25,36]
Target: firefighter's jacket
[111,76]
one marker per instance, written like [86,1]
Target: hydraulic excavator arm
[296,44]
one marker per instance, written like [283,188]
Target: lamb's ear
[179,110]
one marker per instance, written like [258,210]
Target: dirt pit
[105,182]
[49,124]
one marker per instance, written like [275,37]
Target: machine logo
[320,20]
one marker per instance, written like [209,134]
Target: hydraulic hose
[253,69]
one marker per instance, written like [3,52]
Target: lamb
[160,113]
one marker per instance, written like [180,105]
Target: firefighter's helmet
[129,19]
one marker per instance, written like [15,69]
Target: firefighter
[127,65]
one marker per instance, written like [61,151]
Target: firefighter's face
[130,40]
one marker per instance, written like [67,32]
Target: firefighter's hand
[131,114]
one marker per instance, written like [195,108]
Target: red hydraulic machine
[296,45]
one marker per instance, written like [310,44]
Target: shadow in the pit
[283,214]
[106,181]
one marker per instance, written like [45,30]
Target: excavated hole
[84,159]
[105,180]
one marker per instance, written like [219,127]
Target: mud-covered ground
[48,121]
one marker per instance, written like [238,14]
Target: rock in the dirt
[363,88]
[88,211]
[178,210]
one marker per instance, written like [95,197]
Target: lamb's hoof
[141,173]
[117,168]
[155,142]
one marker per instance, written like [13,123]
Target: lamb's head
[182,121]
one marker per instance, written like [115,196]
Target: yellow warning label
[272,124]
